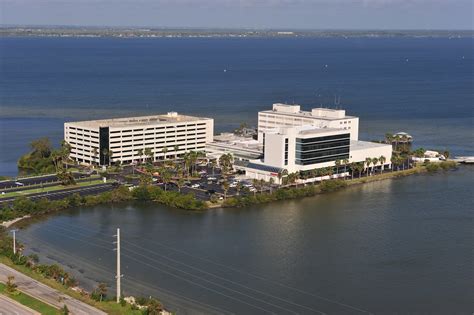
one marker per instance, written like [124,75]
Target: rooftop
[362,145]
[138,121]
[319,112]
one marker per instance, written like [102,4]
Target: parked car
[211,178]
[195,185]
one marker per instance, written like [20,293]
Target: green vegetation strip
[29,301]
[27,192]
[110,307]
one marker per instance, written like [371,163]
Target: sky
[258,14]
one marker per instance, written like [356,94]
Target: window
[286,151]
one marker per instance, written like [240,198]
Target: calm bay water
[422,86]
[400,245]
[397,246]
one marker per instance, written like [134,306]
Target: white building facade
[298,141]
[283,115]
[124,140]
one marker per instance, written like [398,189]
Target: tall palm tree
[149,153]
[176,148]
[337,163]
[140,154]
[238,188]
[165,176]
[213,164]
[382,160]
[375,161]
[105,152]
[95,151]
[345,162]
[164,151]
[368,161]
[271,181]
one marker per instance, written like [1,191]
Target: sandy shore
[7,224]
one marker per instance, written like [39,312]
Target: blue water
[422,86]
[395,246]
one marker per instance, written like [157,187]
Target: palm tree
[345,162]
[225,187]
[238,188]
[368,161]
[389,138]
[95,151]
[140,154]
[105,152]
[213,163]
[337,163]
[374,163]
[101,290]
[111,155]
[352,167]
[165,176]
[446,154]
[176,148]
[382,160]
[180,183]
[271,181]
[164,151]
[149,153]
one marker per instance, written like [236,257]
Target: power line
[248,274]
[211,274]
[179,277]
[136,284]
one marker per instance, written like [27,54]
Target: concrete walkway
[47,294]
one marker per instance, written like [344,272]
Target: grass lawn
[51,189]
[110,307]
[30,302]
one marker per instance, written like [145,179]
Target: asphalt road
[60,194]
[10,307]
[47,294]
[33,180]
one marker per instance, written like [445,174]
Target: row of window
[161,135]
[324,145]
[325,138]
[80,129]
[323,159]
[161,128]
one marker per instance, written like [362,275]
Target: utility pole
[118,276]
[14,241]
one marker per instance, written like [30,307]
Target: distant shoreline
[144,32]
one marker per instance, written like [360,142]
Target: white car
[195,186]
[252,189]
[211,178]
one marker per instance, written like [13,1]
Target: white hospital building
[296,140]
[120,140]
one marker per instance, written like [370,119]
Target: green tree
[154,307]
[375,161]
[225,187]
[382,160]
[180,183]
[140,154]
[41,147]
[368,161]
[271,182]
[95,153]
[65,310]
[165,175]
[105,153]
[164,151]
[176,149]
[11,285]
[149,153]
[101,291]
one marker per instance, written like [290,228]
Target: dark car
[211,192]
